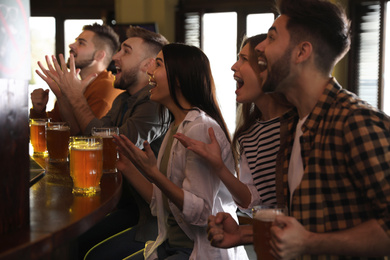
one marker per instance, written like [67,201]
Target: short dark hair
[321,22]
[104,36]
[155,41]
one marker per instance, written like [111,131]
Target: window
[73,28]
[219,44]
[386,89]
[258,23]
[42,33]
[369,76]
[43,42]
[219,36]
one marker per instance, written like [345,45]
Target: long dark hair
[248,112]
[188,69]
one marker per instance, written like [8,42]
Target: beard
[80,64]
[279,71]
[128,78]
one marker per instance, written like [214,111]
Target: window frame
[356,16]
[200,7]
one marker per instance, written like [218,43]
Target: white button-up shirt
[204,192]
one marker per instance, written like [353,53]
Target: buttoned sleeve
[200,185]
[247,179]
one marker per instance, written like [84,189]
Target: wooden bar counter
[57,216]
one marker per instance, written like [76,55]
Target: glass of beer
[38,136]
[57,141]
[86,164]
[263,216]
[110,154]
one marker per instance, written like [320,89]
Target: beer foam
[267,214]
[103,134]
[86,146]
[56,128]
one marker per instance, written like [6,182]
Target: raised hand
[39,99]
[125,166]
[68,80]
[45,76]
[144,160]
[211,152]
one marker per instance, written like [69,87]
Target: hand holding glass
[263,216]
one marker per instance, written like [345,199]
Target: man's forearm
[68,116]
[365,240]
[82,112]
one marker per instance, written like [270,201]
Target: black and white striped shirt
[261,143]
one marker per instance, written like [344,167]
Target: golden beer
[38,137]
[110,154]
[86,164]
[263,216]
[57,141]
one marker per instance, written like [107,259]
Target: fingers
[45,75]
[121,145]
[212,135]
[56,65]
[281,221]
[215,236]
[210,221]
[126,146]
[88,79]
[72,65]
[148,149]
[220,217]
[41,75]
[214,231]
[49,65]
[184,140]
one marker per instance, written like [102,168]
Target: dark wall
[14,131]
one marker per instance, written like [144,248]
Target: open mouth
[74,54]
[239,81]
[118,70]
[151,81]
[261,61]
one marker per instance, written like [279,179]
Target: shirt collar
[324,103]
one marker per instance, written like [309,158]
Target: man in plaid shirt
[337,164]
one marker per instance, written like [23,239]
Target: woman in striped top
[257,136]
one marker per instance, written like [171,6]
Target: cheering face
[248,83]
[158,78]
[276,56]
[128,62]
[83,50]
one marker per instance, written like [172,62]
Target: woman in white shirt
[257,137]
[179,185]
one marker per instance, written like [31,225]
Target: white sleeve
[246,178]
